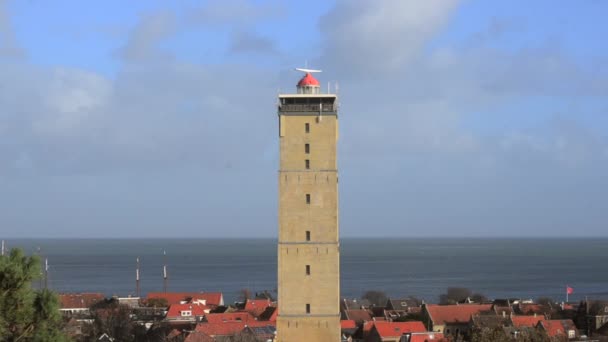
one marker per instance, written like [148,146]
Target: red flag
[569,290]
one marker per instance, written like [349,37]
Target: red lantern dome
[308,80]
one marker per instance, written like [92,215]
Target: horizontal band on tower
[308,113]
[309,170]
[309,315]
[309,243]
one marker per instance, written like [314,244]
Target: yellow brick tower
[309,248]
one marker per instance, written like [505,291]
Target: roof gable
[79,300]
[461,313]
[397,329]
[186,310]
[526,321]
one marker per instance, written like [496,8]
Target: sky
[466,118]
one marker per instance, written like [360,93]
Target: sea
[401,267]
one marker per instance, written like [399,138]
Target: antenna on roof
[308,70]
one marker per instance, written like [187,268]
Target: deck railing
[325,107]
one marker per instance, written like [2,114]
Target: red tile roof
[210,298]
[79,300]
[441,314]
[175,310]
[229,317]
[397,329]
[228,328]
[427,337]
[348,324]
[526,321]
[557,327]
[256,306]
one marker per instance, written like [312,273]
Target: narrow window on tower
[307,148]
[307,164]
[307,198]
[307,127]
[307,269]
[308,235]
[307,308]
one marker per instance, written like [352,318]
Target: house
[227,329]
[270,314]
[424,337]
[229,317]
[349,328]
[78,304]
[197,336]
[596,313]
[452,319]
[186,312]
[402,304]
[105,338]
[210,299]
[357,315]
[261,333]
[354,304]
[526,321]
[132,302]
[256,306]
[557,328]
[391,315]
[393,331]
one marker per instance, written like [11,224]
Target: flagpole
[137,278]
[165,271]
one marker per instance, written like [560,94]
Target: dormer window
[186,313]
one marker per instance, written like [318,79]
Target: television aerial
[308,70]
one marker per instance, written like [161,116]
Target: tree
[479,298]
[244,294]
[26,314]
[545,301]
[114,319]
[157,303]
[376,298]
[455,295]
[496,334]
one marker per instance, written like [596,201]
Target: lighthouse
[308,242]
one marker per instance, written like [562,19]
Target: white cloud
[235,13]
[143,42]
[370,38]
[175,135]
